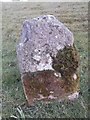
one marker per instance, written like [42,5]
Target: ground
[74,16]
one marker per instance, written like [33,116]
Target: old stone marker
[48,60]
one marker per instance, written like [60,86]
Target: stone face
[48,60]
[42,37]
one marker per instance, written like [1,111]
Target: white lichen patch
[45,63]
[21,44]
[36,50]
[57,74]
[37,58]
[43,66]
[56,36]
[75,76]
[73,96]
[41,97]
[60,47]
[51,92]
[51,97]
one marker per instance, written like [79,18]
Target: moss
[71,85]
[66,62]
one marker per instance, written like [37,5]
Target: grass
[74,16]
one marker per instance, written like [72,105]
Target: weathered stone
[48,60]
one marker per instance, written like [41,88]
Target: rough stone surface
[42,37]
[48,60]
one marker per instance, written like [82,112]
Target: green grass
[74,16]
